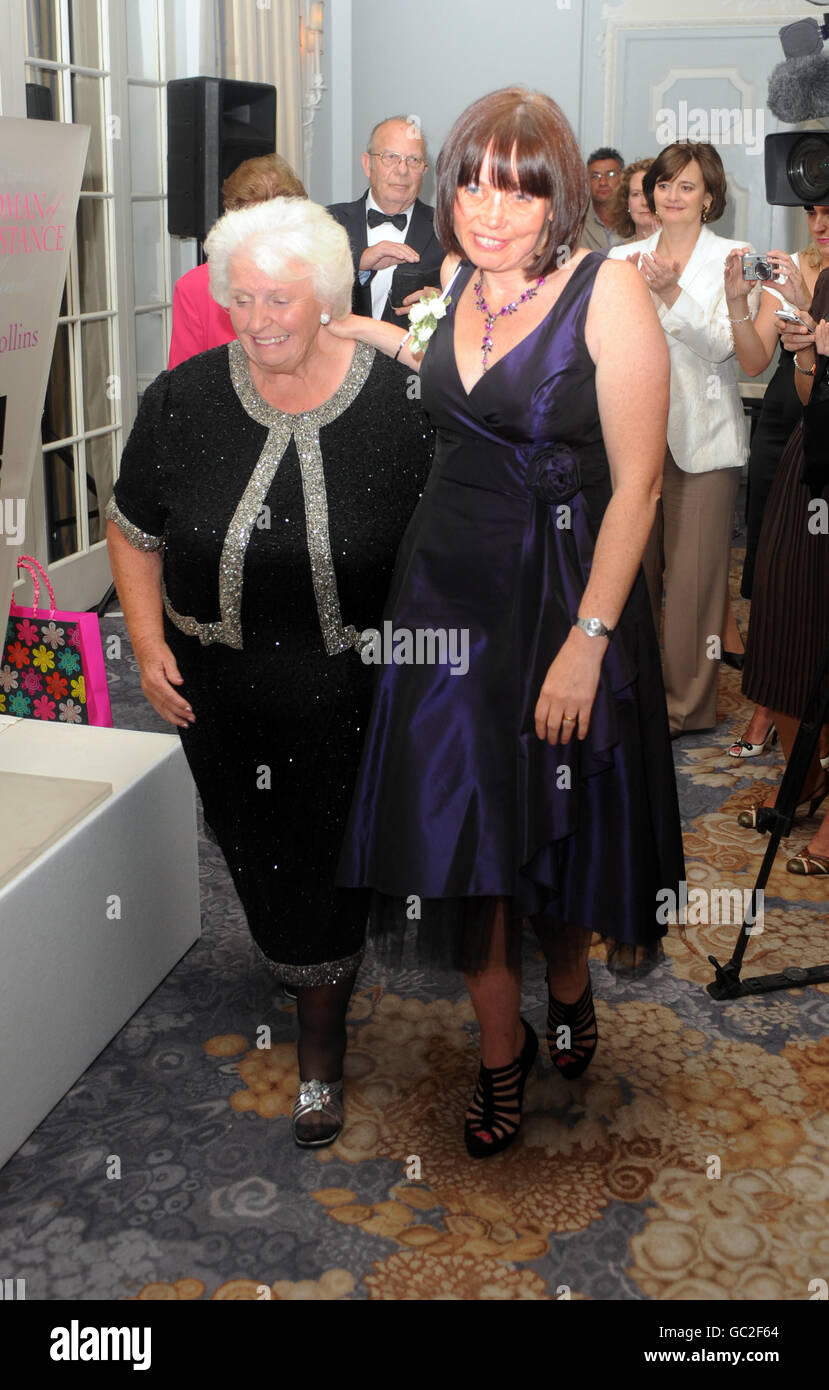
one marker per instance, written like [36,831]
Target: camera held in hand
[757,267]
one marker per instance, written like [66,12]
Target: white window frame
[82,579]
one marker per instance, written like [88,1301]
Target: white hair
[278,235]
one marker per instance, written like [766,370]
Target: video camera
[797,162]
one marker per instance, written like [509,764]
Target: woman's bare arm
[137,575]
[377,333]
[387,337]
[755,341]
[626,342]
[802,342]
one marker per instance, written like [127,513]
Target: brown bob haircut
[534,150]
[618,215]
[258,180]
[673,160]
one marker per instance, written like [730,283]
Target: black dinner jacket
[421,235]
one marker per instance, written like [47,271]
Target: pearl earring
[325,318]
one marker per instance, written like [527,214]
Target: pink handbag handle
[28,562]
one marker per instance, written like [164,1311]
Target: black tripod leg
[778,819]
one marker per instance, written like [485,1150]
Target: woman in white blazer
[688,552]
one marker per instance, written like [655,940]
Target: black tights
[321,1011]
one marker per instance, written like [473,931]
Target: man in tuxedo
[389,227]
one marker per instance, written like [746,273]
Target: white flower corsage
[424,316]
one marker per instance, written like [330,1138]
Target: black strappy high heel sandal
[498,1095]
[580,1018]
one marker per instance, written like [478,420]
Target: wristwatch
[594,627]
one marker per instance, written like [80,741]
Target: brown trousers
[686,559]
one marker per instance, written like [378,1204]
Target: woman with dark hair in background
[540,783]
[629,214]
[199,323]
[688,551]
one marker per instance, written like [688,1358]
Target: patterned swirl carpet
[691,1162]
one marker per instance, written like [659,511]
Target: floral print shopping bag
[52,665]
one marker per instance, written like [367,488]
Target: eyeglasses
[611,175]
[390,160]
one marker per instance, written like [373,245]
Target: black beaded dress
[278,535]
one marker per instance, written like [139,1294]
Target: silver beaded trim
[328,972]
[336,638]
[305,429]
[138,539]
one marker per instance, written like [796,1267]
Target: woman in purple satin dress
[476,808]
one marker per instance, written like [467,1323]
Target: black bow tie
[376,219]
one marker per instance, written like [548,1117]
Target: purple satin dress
[457,802]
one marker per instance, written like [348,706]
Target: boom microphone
[806,36]
[799,89]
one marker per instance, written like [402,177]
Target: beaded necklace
[489,317]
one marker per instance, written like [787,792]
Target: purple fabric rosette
[553,471]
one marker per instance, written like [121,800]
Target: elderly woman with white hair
[263,493]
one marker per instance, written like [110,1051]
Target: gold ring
[570,718]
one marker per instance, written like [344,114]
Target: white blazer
[706,427]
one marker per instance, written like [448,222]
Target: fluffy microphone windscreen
[799,89]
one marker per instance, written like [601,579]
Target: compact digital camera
[757,267]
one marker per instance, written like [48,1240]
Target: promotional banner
[41,166]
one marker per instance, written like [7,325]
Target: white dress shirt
[386,231]
[706,426]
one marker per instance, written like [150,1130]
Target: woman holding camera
[789,628]
[688,550]
[755,344]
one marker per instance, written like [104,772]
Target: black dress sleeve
[402,417]
[140,503]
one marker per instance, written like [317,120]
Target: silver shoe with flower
[318,1098]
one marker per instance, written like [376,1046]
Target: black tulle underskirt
[465,934]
